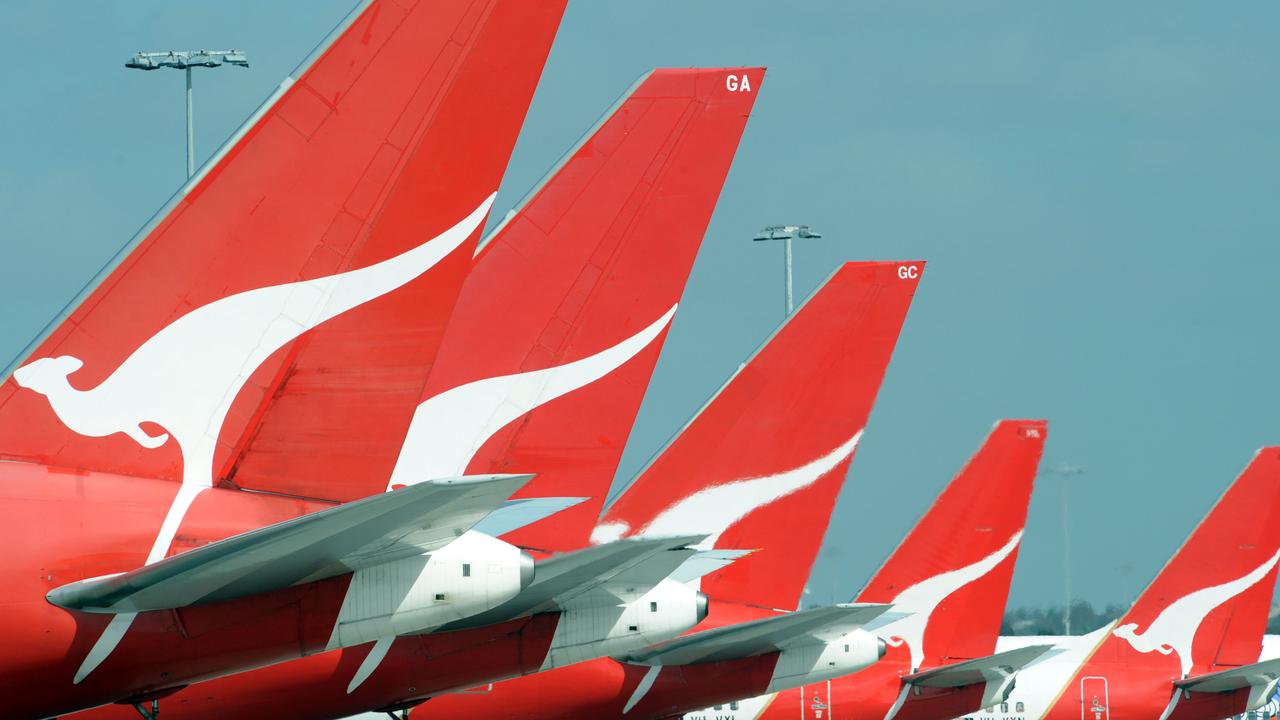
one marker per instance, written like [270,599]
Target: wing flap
[377,529]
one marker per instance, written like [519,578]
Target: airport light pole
[187,60]
[786,233]
[1063,471]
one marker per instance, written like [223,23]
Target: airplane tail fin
[283,309]
[559,325]
[1208,606]
[952,571]
[759,467]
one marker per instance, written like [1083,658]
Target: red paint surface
[401,128]
[813,385]
[803,395]
[1222,548]
[600,253]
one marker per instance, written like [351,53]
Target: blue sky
[1091,183]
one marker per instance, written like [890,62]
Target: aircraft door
[815,701]
[1094,703]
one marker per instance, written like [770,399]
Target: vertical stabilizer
[760,466]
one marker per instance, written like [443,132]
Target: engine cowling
[595,625]
[819,661]
[412,595]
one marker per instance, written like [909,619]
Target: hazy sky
[1092,184]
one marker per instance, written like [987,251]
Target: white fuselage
[1037,686]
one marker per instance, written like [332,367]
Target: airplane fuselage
[75,525]
[1040,692]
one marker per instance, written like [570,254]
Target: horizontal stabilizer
[979,670]
[409,521]
[760,636]
[568,575]
[1258,674]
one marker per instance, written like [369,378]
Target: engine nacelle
[412,595]
[818,661]
[594,625]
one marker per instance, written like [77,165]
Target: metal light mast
[186,60]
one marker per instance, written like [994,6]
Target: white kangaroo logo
[920,600]
[713,510]
[447,430]
[1176,626]
[185,377]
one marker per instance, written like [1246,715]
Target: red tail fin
[1208,607]
[285,309]
[953,569]
[761,464]
[558,327]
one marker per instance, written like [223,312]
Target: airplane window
[718,707]
[733,705]
[1019,707]
[653,606]
[466,569]
[1004,707]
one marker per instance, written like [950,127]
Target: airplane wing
[563,577]
[1256,675]
[518,513]
[978,670]
[638,578]
[377,529]
[705,563]
[761,636]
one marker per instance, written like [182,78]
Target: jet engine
[413,595]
